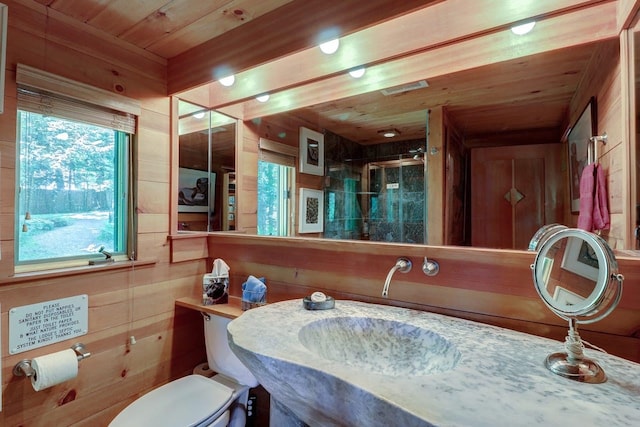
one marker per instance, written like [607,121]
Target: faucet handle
[430,267]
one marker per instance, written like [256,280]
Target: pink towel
[594,214]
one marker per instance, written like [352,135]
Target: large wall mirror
[206,173]
[479,153]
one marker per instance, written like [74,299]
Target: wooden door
[509,188]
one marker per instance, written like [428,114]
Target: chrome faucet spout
[403,265]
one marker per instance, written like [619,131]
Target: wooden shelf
[230,310]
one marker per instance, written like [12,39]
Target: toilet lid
[187,401]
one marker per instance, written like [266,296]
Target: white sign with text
[44,323]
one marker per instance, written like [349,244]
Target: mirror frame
[608,285]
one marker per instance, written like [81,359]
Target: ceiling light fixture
[357,72]
[228,80]
[389,133]
[330,47]
[523,29]
[263,98]
[199,115]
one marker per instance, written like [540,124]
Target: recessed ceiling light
[330,47]
[228,80]
[389,133]
[263,98]
[523,29]
[357,72]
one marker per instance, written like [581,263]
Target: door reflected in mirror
[206,174]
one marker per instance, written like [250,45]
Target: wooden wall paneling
[160,296]
[630,128]
[153,223]
[602,80]
[7,185]
[627,10]
[7,175]
[153,129]
[247,179]
[173,358]
[186,249]
[153,246]
[295,267]
[484,285]
[153,197]
[153,171]
[435,177]
[116,297]
[146,364]
[62,60]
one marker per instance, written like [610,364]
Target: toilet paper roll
[53,369]
[204,370]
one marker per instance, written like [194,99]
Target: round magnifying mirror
[576,275]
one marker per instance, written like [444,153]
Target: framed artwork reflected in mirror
[311,152]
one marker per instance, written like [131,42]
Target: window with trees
[73,189]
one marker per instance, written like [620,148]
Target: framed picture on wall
[311,152]
[195,189]
[579,258]
[578,142]
[311,211]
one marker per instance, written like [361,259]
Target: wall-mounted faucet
[403,265]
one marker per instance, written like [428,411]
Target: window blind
[44,93]
[277,152]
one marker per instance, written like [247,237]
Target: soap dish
[318,305]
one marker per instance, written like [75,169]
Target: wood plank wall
[489,286]
[135,301]
[603,80]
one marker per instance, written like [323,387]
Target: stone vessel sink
[373,365]
[379,346]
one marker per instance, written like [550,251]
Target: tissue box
[215,289]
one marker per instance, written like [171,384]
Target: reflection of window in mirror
[275,182]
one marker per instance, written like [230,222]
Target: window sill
[73,271]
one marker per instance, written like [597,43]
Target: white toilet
[196,400]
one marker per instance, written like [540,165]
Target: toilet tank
[219,355]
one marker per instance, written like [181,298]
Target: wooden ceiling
[523,101]
[239,33]
[164,27]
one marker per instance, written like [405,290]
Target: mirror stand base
[584,370]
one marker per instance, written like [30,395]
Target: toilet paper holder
[23,368]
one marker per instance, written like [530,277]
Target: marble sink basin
[380,346]
[372,365]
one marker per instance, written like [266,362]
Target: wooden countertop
[230,310]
